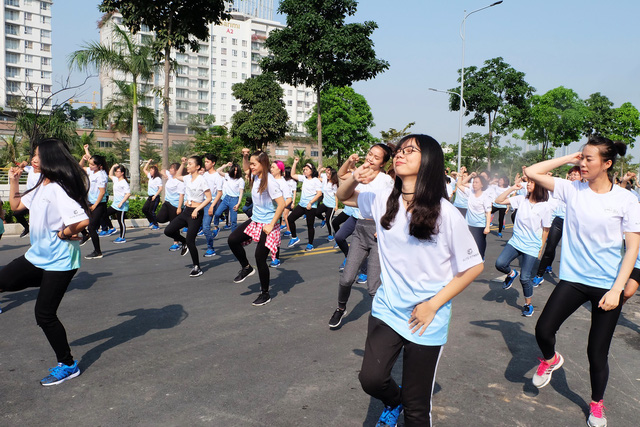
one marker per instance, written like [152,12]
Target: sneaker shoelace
[58,372]
[597,409]
[543,367]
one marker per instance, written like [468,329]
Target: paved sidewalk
[158,348]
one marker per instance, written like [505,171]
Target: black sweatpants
[20,274]
[565,299]
[338,220]
[324,213]
[419,365]
[480,238]
[149,209]
[235,240]
[21,218]
[501,213]
[296,213]
[184,220]
[94,224]
[120,217]
[167,213]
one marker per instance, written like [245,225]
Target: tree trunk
[319,127]
[165,115]
[134,145]
[489,145]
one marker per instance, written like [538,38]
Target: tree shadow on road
[523,348]
[143,321]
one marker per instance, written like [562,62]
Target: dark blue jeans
[527,262]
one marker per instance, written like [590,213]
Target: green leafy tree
[214,139]
[177,24]
[497,95]
[133,60]
[347,120]
[179,150]
[392,136]
[556,119]
[598,115]
[317,48]
[262,117]
[301,154]
[119,110]
[33,126]
[625,125]
[120,148]
[148,151]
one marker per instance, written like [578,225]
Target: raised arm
[463,182]
[145,168]
[503,199]
[14,189]
[348,166]
[112,170]
[538,172]
[221,169]
[86,156]
[179,176]
[294,166]
[347,193]
[245,162]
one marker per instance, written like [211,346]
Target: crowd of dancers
[417,239]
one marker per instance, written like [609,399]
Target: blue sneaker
[111,231]
[210,253]
[120,240]
[527,310]
[537,281]
[155,227]
[61,373]
[201,232]
[226,227]
[102,233]
[309,247]
[330,238]
[282,227]
[508,281]
[362,278]
[175,247]
[323,223]
[275,263]
[499,234]
[335,246]
[389,417]
[342,265]
[286,234]
[548,270]
[294,241]
[214,232]
[184,230]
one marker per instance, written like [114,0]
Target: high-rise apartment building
[201,84]
[25,53]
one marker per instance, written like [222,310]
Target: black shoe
[24,233]
[244,273]
[262,299]
[85,239]
[195,272]
[335,320]
[184,250]
[94,255]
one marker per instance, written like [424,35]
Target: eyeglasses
[406,150]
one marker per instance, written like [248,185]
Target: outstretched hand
[364,174]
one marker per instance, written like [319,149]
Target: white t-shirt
[382,181]
[329,192]
[50,210]
[264,207]
[285,188]
[232,187]
[477,207]
[530,221]
[215,181]
[97,180]
[154,184]
[194,190]
[495,192]
[293,185]
[32,177]
[461,201]
[593,231]
[413,270]
[120,189]
[173,189]
[310,187]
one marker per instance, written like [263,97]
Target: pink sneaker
[596,415]
[542,376]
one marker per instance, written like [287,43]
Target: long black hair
[59,166]
[429,190]
[539,194]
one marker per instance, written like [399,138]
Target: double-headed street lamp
[462,102]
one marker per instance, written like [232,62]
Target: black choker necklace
[408,193]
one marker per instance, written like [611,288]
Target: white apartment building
[201,84]
[25,53]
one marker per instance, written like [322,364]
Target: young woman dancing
[498,189]
[599,216]
[309,195]
[197,197]
[154,190]
[173,199]
[427,257]
[262,227]
[277,169]
[529,235]
[121,193]
[97,197]
[293,188]
[58,212]
[478,208]
[328,205]
[232,191]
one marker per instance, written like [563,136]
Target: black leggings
[296,213]
[235,240]
[94,224]
[419,365]
[501,212]
[167,213]
[480,238]
[20,274]
[120,217]
[566,298]
[338,220]
[184,220]
[555,234]
[345,231]
[324,213]
[21,218]
[149,209]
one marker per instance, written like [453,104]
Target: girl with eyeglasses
[479,208]
[427,257]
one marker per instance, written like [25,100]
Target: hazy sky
[588,46]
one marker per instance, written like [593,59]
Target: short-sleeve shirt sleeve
[464,250]
[631,217]
[27,199]
[563,189]
[516,201]
[365,204]
[273,188]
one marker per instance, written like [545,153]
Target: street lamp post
[462,102]
[462,34]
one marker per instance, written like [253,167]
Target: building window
[223,62]
[28,59]
[289,103]
[28,16]
[223,40]
[13,86]
[12,2]
[244,76]
[223,73]
[224,118]
[234,75]
[12,29]
[45,34]
[244,43]
[223,95]
[282,152]
[234,52]
[182,105]
[202,84]
[28,72]
[28,44]
[46,88]
[45,74]
[244,54]
[12,58]
[12,15]
[223,51]
[182,93]
[203,72]
[45,20]
[234,108]
[202,106]
[12,44]
[202,95]
[314,153]
[223,85]
[104,144]
[213,61]
[44,6]
[28,30]
[45,47]
[46,61]
[234,64]
[182,81]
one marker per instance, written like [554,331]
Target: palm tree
[135,62]
[119,111]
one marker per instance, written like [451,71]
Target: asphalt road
[159,348]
